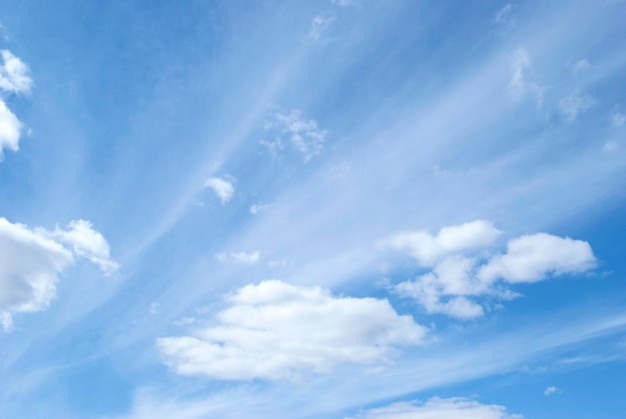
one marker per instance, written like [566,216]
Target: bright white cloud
[10,129]
[246,258]
[29,265]
[223,188]
[274,330]
[437,408]
[86,242]
[429,249]
[31,261]
[550,390]
[303,134]
[464,263]
[14,74]
[532,258]
[573,105]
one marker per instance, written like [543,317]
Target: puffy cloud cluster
[463,262]
[14,79]
[437,408]
[274,330]
[32,259]
[304,134]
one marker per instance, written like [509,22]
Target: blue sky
[337,209]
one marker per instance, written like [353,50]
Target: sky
[349,209]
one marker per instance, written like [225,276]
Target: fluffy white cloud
[274,330]
[87,243]
[246,258]
[303,134]
[14,78]
[223,188]
[550,390]
[573,105]
[532,258]
[30,262]
[14,74]
[10,129]
[437,408]
[464,263]
[29,265]
[429,249]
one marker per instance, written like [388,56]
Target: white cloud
[319,25]
[581,66]
[618,119]
[573,105]
[610,146]
[520,83]
[504,17]
[464,263]
[223,188]
[344,3]
[256,208]
[303,134]
[428,249]
[87,243]
[29,265]
[550,390]
[10,129]
[7,321]
[274,330]
[246,258]
[14,74]
[532,258]
[437,408]
[30,262]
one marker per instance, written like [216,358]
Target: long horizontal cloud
[274,330]
[438,408]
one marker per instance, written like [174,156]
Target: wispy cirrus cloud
[440,408]
[246,258]
[570,107]
[304,135]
